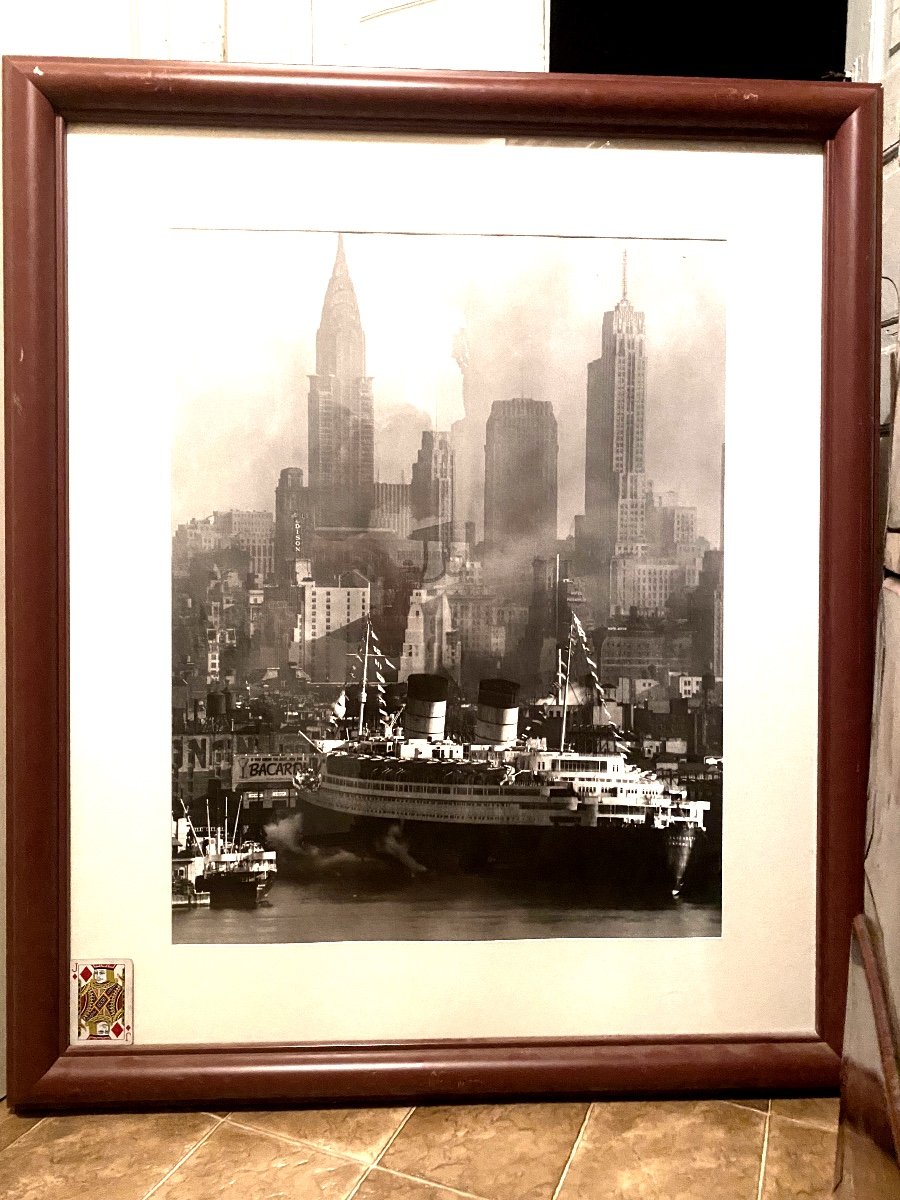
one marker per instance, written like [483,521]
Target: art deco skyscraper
[341,426]
[614,485]
[615,488]
[432,493]
[520,491]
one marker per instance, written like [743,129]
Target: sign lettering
[258,769]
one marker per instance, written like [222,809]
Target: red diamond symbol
[117,1029]
[86,974]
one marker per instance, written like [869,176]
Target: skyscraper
[467,436]
[614,454]
[520,491]
[614,482]
[431,495]
[293,523]
[341,425]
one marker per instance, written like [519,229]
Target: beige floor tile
[13,1126]
[383,1185]
[667,1150]
[83,1158]
[244,1165]
[816,1110]
[799,1161]
[359,1132]
[500,1151]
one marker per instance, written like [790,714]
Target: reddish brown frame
[40,97]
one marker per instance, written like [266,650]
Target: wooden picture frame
[41,96]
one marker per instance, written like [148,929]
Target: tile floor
[630,1150]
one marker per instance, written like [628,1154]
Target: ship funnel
[426,706]
[498,713]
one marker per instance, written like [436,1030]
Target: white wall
[873,55]
[474,34]
[467,34]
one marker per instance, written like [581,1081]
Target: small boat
[187,868]
[239,877]
[219,871]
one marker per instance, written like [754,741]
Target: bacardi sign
[266,770]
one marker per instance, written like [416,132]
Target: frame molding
[40,97]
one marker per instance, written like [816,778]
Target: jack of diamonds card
[101,1002]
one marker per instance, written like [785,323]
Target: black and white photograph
[447,587]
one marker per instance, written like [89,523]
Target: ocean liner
[501,804]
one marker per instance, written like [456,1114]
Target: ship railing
[251,866]
[409,801]
[640,812]
[411,788]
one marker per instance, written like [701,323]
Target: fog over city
[521,314]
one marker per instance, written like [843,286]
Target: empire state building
[614,480]
[341,426]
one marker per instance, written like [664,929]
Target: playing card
[101,1002]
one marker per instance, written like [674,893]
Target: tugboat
[239,877]
[220,873]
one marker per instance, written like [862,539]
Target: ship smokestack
[498,712]
[426,706]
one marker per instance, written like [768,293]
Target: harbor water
[446,908]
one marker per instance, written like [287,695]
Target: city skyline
[426,553]
[543,341]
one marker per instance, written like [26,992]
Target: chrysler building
[341,426]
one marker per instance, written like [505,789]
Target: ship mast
[562,732]
[556,582]
[365,668]
[191,825]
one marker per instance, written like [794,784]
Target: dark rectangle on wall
[768,40]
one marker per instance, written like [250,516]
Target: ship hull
[238,889]
[606,860]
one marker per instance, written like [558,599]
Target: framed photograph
[386,718]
